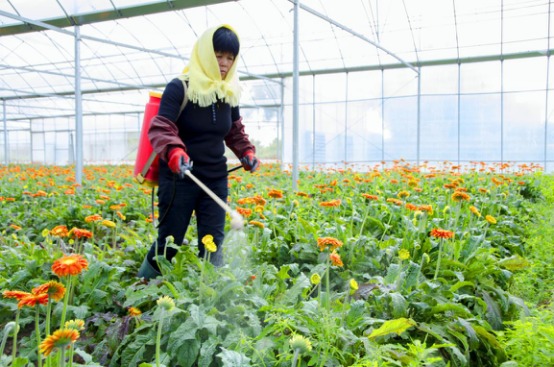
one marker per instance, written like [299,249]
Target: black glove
[249,161]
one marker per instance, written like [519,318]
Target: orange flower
[333,243]
[332,203]
[370,197]
[441,233]
[256,223]
[245,212]
[426,208]
[61,338]
[460,196]
[394,201]
[59,231]
[93,218]
[18,295]
[72,264]
[276,194]
[303,194]
[80,233]
[33,299]
[335,259]
[133,311]
[15,226]
[54,289]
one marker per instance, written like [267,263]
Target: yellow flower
[256,223]
[475,211]
[166,303]
[490,219]
[108,223]
[300,343]
[76,324]
[353,284]
[209,244]
[403,254]
[133,311]
[315,279]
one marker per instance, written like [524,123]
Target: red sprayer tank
[144,152]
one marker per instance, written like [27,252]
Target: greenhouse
[393,205]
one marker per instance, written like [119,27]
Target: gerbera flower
[475,211]
[441,233]
[72,264]
[80,233]
[332,203]
[59,231]
[61,338]
[134,312]
[403,194]
[490,219]
[276,194]
[403,254]
[108,223]
[256,223]
[33,299]
[460,196]
[245,212]
[335,259]
[353,285]
[76,324]
[300,343]
[209,244]
[93,218]
[333,243]
[315,279]
[55,290]
[166,303]
[18,295]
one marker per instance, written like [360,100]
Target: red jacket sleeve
[164,136]
[237,139]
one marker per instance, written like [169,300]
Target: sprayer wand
[237,221]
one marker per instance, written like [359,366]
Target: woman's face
[225,60]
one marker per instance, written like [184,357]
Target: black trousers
[178,199]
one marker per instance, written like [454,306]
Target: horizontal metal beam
[466,60]
[102,16]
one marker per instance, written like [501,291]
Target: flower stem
[438,261]
[37,332]
[295,357]
[14,346]
[159,338]
[66,300]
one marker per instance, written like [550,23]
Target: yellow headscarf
[205,85]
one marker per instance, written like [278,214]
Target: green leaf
[284,272]
[20,362]
[397,326]
[133,354]
[231,358]
[515,262]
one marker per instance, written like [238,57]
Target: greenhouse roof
[128,47]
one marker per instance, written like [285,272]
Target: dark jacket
[202,132]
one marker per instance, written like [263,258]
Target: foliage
[395,266]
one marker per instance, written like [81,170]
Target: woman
[196,140]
